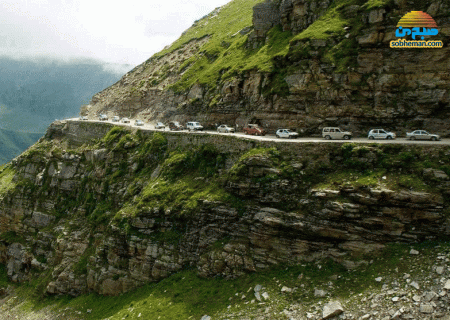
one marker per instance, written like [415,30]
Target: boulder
[435,174]
[332,309]
[41,220]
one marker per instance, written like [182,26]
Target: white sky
[125,31]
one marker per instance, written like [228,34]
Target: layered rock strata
[82,217]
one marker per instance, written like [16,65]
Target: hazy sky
[126,32]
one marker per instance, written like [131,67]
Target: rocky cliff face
[97,208]
[298,64]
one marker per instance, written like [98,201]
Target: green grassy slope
[186,296]
[226,54]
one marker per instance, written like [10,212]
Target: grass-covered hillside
[293,292]
[228,54]
[294,64]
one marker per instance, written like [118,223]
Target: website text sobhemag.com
[402,43]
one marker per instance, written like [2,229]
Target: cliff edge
[98,208]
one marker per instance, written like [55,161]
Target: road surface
[271,137]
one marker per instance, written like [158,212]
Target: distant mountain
[13,143]
[33,93]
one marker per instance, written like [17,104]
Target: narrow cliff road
[271,137]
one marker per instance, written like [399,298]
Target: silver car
[380,134]
[116,119]
[160,125]
[125,120]
[422,135]
[138,123]
[286,133]
[225,129]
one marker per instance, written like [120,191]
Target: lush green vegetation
[186,178]
[374,179]
[230,61]
[271,154]
[227,53]
[3,276]
[183,193]
[331,23]
[12,237]
[220,26]
[374,4]
[6,179]
[113,135]
[389,166]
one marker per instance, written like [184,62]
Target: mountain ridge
[13,143]
[293,64]
[36,91]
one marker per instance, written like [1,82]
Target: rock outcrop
[94,216]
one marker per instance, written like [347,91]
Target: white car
[194,126]
[83,118]
[286,133]
[103,117]
[225,129]
[138,123]
[380,134]
[115,119]
[335,133]
[160,125]
[422,135]
[125,120]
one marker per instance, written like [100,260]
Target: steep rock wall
[90,215]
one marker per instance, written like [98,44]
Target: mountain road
[272,137]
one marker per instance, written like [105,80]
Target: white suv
[335,133]
[380,134]
[194,126]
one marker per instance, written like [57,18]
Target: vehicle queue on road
[328,133]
